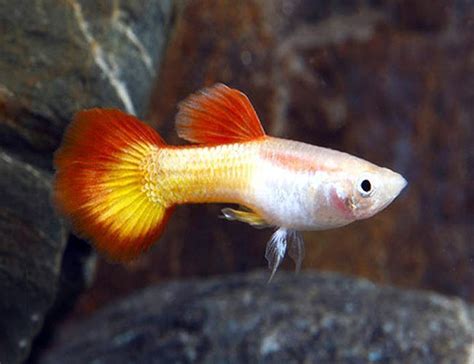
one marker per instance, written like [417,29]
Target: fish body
[119,182]
[287,183]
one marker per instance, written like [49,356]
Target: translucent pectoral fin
[296,248]
[275,251]
[248,217]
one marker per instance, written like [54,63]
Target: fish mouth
[395,183]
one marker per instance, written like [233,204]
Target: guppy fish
[118,181]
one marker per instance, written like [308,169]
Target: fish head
[372,189]
[356,191]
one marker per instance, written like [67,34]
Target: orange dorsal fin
[218,115]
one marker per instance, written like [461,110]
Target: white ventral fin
[276,249]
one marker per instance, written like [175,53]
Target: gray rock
[58,57]
[32,240]
[61,56]
[311,318]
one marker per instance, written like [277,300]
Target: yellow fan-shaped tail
[101,182]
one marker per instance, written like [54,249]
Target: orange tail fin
[101,182]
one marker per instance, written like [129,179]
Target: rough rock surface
[32,240]
[61,56]
[308,318]
[389,81]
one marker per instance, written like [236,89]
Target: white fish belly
[282,198]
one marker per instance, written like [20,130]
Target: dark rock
[307,318]
[32,240]
[59,57]
[78,266]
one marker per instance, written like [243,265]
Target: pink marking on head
[341,204]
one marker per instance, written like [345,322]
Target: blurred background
[389,81]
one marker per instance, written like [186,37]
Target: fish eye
[365,187]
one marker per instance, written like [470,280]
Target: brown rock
[390,83]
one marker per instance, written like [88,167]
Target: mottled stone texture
[307,319]
[391,82]
[58,57]
[32,240]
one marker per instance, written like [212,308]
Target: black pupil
[365,184]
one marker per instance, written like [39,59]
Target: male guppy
[118,181]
